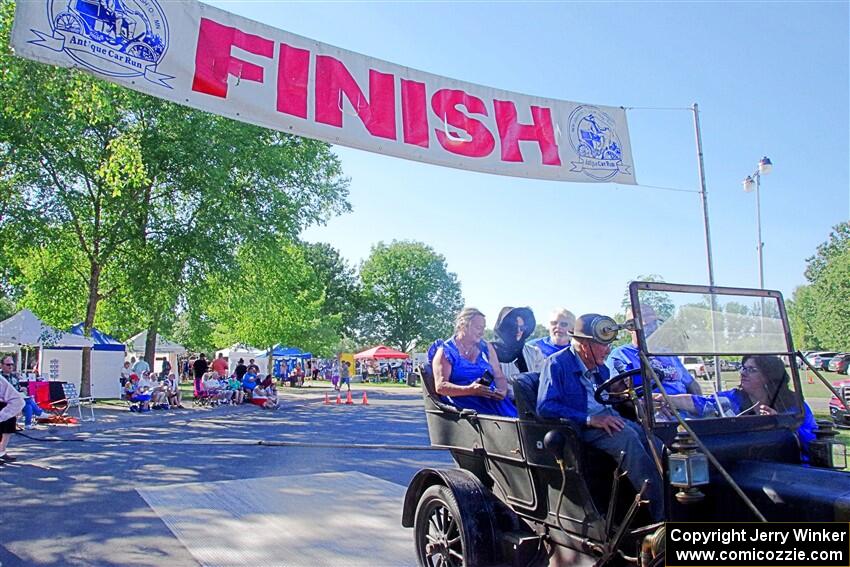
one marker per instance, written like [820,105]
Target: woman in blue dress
[764,390]
[463,372]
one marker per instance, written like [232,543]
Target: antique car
[113,22]
[526,488]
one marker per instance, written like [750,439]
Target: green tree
[658,300]
[409,296]
[151,194]
[820,311]
[271,296]
[342,289]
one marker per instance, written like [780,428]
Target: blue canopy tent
[289,356]
[102,341]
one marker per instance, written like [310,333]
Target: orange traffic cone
[327,399]
[348,399]
[810,377]
[365,399]
[338,399]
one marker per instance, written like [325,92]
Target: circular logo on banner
[593,136]
[118,38]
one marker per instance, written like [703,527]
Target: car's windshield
[680,322]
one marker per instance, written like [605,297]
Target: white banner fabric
[197,55]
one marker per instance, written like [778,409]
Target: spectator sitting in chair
[172,391]
[30,407]
[234,386]
[138,395]
[249,382]
[156,390]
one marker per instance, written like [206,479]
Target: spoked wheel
[68,22]
[442,539]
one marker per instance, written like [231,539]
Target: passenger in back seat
[561,324]
[466,368]
[568,382]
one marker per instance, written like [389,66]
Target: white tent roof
[137,344]
[24,328]
[238,349]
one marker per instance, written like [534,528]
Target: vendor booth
[284,359]
[383,362]
[164,349]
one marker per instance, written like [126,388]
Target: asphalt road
[71,498]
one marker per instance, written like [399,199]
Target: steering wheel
[617,397]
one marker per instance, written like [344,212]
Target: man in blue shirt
[669,369]
[561,324]
[568,382]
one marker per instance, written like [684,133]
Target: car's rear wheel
[443,538]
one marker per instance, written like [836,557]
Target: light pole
[754,180]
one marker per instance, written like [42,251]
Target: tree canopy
[820,311]
[409,296]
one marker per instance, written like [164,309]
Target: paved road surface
[77,496]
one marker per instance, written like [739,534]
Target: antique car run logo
[118,38]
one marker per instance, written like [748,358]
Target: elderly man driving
[568,382]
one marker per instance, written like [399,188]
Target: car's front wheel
[443,539]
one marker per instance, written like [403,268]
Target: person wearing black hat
[513,327]
[568,382]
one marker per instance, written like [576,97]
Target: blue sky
[770,79]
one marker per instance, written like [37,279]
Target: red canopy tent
[381,352]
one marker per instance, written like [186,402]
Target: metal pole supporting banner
[704,195]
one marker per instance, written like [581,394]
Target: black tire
[442,537]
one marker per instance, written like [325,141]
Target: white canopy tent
[60,353]
[25,329]
[164,349]
[237,351]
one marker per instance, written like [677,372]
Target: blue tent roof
[102,341]
[289,352]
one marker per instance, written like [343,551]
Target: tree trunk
[88,324]
[150,342]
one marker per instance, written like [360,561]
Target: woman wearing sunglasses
[764,390]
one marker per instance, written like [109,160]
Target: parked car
[697,367]
[837,411]
[839,363]
[820,360]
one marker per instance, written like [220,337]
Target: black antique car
[525,489]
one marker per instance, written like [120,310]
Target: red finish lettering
[377,112]
[213,61]
[512,132]
[293,70]
[444,103]
[414,117]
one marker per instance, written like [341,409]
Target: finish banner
[193,54]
